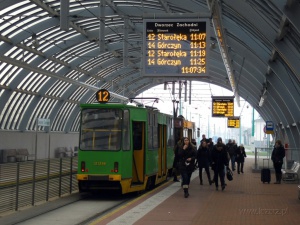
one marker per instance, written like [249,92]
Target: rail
[29,183]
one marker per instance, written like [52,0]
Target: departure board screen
[173,47]
[222,107]
[233,122]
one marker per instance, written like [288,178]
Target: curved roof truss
[54,57]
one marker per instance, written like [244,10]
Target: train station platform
[245,200]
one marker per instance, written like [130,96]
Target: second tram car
[125,147]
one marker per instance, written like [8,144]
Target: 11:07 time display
[193,69]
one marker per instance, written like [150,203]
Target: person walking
[219,161]
[240,158]
[204,139]
[187,155]
[230,148]
[178,145]
[204,160]
[210,144]
[278,154]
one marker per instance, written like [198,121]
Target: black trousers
[240,166]
[277,167]
[219,173]
[186,178]
[207,173]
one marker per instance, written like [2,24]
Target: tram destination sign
[175,48]
[223,106]
[233,122]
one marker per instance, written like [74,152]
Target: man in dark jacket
[204,139]
[278,154]
[240,156]
[219,161]
[231,149]
[204,161]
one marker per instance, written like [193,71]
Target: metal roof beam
[165,6]
[215,8]
[54,75]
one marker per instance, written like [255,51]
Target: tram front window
[101,129]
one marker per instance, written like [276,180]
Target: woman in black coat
[187,155]
[240,156]
[204,161]
[278,154]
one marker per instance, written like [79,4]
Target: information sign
[173,47]
[222,106]
[43,122]
[233,122]
[102,96]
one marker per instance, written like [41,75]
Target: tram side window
[170,133]
[155,132]
[150,142]
[126,131]
[150,138]
[137,135]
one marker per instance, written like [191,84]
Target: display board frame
[176,47]
[233,122]
[222,106]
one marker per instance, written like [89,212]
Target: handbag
[229,174]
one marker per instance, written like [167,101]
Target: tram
[126,148]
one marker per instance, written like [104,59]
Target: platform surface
[245,200]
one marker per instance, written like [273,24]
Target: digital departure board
[233,122]
[222,106]
[173,47]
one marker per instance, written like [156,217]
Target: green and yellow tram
[124,147]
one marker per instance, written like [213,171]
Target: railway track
[76,209]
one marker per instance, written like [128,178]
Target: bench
[291,174]
[9,155]
[22,154]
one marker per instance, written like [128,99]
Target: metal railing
[27,183]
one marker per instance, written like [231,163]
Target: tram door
[138,163]
[162,151]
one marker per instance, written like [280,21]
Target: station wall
[47,145]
